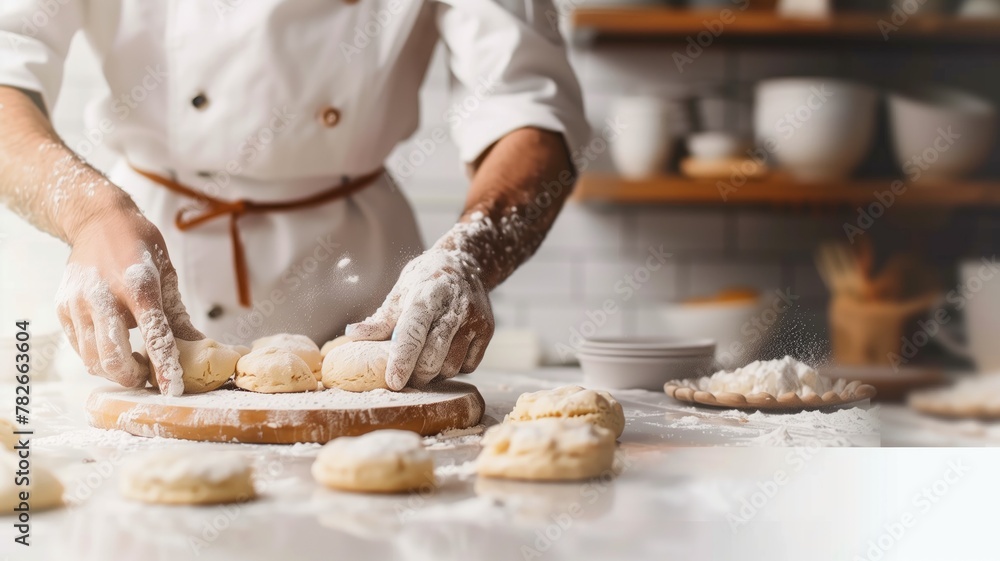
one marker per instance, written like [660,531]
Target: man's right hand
[119,276]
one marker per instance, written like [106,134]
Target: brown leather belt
[209,207]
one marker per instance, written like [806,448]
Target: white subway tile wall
[566,288]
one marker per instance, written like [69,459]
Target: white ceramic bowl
[660,346]
[739,339]
[640,353]
[985,9]
[919,7]
[646,142]
[820,129]
[641,372]
[718,145]
[941,133]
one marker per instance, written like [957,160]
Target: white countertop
[688,476]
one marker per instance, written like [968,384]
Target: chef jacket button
[199,101]
[329,117]
[215,312]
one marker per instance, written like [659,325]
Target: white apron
[311,271]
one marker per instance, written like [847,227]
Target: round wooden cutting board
[233,415]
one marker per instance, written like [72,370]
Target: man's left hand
[438,317]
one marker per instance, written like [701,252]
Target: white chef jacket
[275,100]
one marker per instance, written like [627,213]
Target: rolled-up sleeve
[509,70]
[34,39]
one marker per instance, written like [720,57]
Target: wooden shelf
[779,190]
[672,23]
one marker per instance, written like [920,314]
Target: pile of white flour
[775,377]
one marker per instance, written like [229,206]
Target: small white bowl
[718,145]
[638,353]
[819,129]
[648,373]
[940,132]
[730,324]
[667,345]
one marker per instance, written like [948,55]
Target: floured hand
[119,276]
[438,317]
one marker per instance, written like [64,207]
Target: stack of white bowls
[644,363]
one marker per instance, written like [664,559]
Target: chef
[250,197]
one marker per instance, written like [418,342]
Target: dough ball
[553,449]
[333,344]
[298,344]
[274,370]
[7,438]
[594,406]
[384,461]
[44,489]
[188,476]
[358,366]
[207,365]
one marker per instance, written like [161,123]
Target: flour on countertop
[777,438]
[816,428]
[455,438]
[462,471]
[687,421]
[808,428]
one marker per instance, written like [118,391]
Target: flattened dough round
[333,344]
[357,366]
[273,370]
[298,344]
[384,461]
[594,406]
[552,449]
[188,476]
[44,489]
[207,365]
[7,437]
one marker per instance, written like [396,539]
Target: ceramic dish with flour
[784,384]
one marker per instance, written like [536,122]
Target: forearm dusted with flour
[438,314]
[118,275]
[41,179]
[518,188]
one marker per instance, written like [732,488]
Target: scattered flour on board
[332,398]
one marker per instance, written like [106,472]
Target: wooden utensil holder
[865,332]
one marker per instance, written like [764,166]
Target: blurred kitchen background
[705,150]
